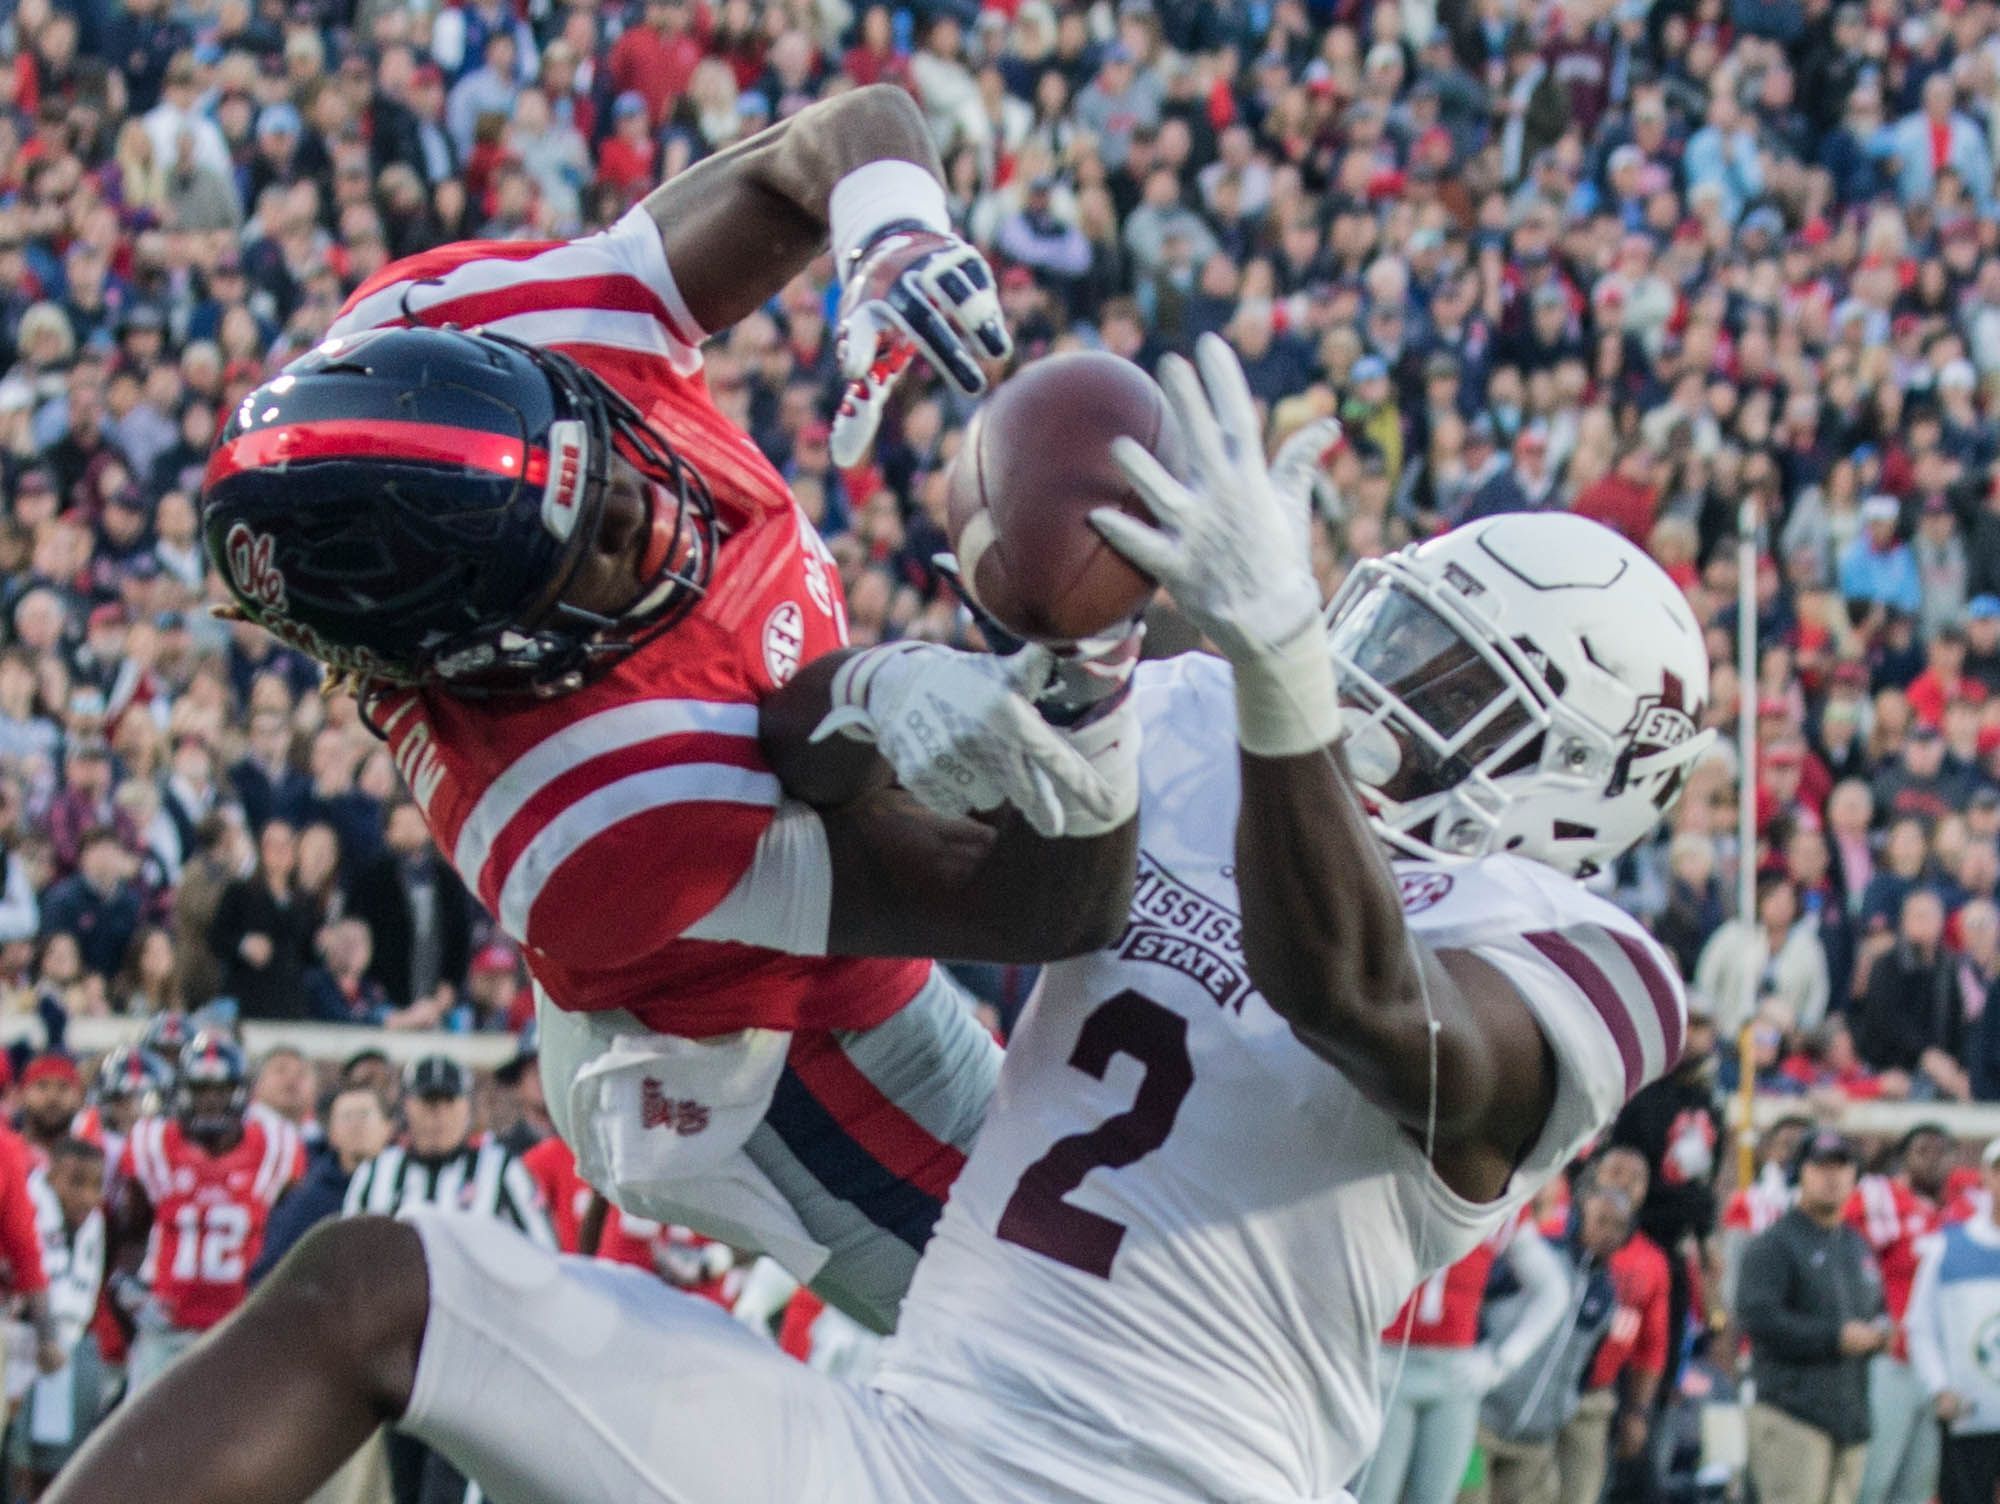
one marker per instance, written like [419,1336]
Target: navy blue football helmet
[212,1060]
[132,1073]
[409,506]
[166,1036]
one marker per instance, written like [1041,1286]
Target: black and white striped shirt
[481,1177]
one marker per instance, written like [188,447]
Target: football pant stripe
[886,1133]
[831,1156]
[933,1059]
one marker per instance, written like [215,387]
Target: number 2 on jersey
[208,1242]
[1037,1216]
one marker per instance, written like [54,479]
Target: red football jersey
[553,1167]
[1638,1334]
[1444,1310]
[209,1211]
[1892,1217]
[1754,1207]
[600,826]
[626,1239]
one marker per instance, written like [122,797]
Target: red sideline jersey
[625,1240]
[602,826]
[20,1238]
[1964,1195]
[209,1211]
[1892,1218]
[1638,1335]
[1754,1207]
[1444,1310]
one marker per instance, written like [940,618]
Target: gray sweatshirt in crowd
[1537,1396]
[1799,1284]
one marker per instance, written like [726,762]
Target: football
[1036,462]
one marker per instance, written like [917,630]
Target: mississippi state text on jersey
[604,827]
[209,1211]
[1170,1254]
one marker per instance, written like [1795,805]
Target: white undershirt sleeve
[785,900]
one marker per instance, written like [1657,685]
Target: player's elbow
[886,108]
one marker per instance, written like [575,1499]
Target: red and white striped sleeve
[614,834]
[1611,1007]
[282,1161]
[612,291]
[145,1158]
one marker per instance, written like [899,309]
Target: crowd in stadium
[1648,262]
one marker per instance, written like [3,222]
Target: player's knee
[358,1286]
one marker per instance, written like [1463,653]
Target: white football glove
[1298,471]
[911,291]
[1230,546]
[958,734]
[1227,544]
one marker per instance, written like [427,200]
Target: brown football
[1036,462]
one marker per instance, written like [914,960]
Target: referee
[441,1162]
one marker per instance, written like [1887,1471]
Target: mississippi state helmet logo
[1422,890]
[1659,722]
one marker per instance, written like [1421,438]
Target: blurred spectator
[1909,1018]
[51,1095]
[266,782]
[418,914]
[357,1129]
[1522,1416]
[284,1087]
[219,860]
[97,905]
[58,1412]
[1953,1304]
[262,932]
[1621,1388]
[1810,1303]
[1779,959]
[1894,1211]
[1754,1206]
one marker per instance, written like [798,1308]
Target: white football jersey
[1162,1272]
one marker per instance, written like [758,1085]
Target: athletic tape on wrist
[1111,746]
[1287,703]
[877,194]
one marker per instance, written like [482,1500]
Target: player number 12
[1037,1215]
[208,1242]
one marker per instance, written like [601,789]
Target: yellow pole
[1746,1100]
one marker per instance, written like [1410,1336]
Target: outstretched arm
[1438,1039]
[858,172]
[739,225]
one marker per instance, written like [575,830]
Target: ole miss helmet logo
[256,578]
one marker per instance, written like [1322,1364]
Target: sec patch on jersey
[784,641]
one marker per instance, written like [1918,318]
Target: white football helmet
[1529,683]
